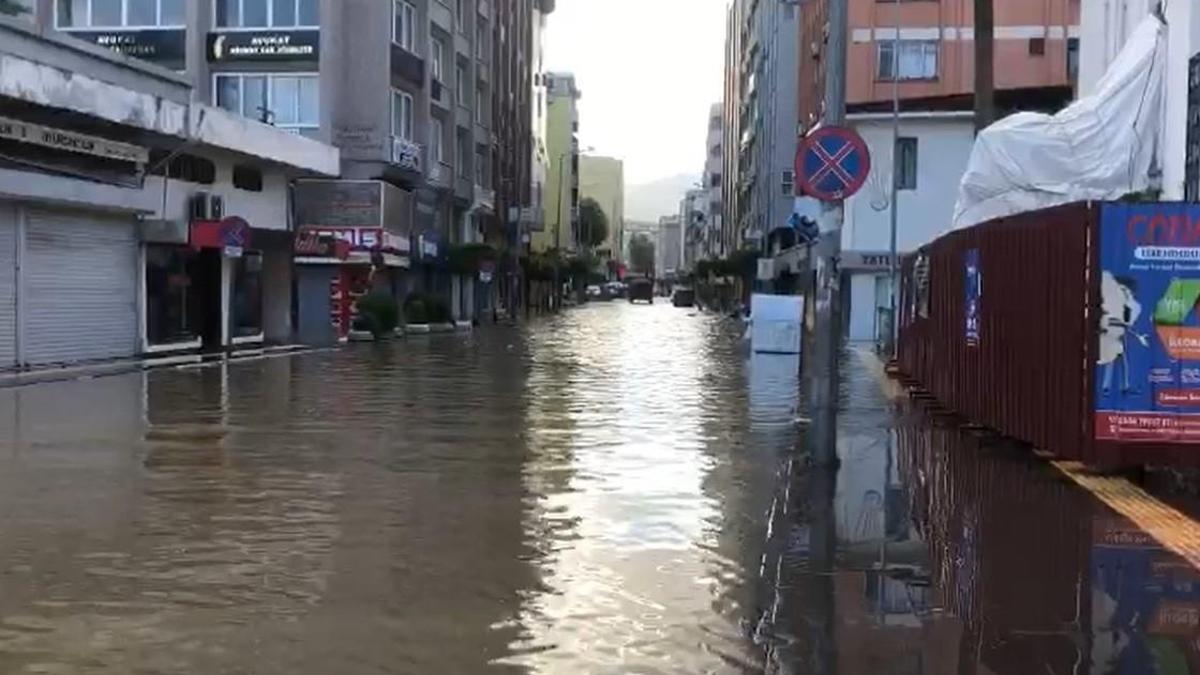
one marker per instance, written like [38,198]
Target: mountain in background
[661,197]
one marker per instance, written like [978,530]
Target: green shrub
[415,309]
[378,313]
[439,312]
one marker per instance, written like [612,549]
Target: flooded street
[615,490]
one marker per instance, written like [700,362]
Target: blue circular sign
[832,163]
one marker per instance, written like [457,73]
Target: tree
[593,224]
[641,255]
[985,68]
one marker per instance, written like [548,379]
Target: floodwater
[615,490]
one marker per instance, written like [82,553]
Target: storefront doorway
[205,272]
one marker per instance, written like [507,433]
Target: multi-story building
[714,241]
[930,62]
[731,122]
[760,104]
[693,214]
[428,99]
[603,179]
[562,184]
[668,248]
[135,218]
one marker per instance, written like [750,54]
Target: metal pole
[827,297]
[892,262]
[562,158]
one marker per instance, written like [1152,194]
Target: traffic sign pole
[822,375]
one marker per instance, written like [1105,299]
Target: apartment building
[603,179]
[713,241]
[1037,48]
[429,98]
[760,118]
[561,197]
[135,217]
[931,67]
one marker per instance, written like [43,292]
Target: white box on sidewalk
[776,323]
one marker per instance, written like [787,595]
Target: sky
[649,70]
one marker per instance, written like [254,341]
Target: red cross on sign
[832,163]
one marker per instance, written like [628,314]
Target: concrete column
[1183,20]
[226,298]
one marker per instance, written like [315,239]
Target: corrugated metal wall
[8,285]
[1028,376]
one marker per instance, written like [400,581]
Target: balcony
[485,198]
[405,155]
[485,9]
[408,65]
[441,175]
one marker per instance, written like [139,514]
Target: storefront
[334,268]
[351,238]
[73,296]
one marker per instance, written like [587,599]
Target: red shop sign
[229,232]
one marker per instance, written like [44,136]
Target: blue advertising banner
[1147,384]
[973,281]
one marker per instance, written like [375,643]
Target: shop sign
[1147,370]
[232,232]
[973,281]
[339,204]
[355,239]
[870,261]
[315,244]
[158,45]
[291,45]
[71,141]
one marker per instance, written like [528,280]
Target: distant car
[641,289]
[683,297]
[614,289]
[594,292]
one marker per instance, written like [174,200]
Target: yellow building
[603,179]
[561,196]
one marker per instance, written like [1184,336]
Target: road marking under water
[1173,529]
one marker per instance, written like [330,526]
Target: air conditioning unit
[198,206]
[216,207]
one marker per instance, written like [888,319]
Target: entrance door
[8,285]
[80,295]
[204,269]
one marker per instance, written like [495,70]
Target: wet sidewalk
[959,553]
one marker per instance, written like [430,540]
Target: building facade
[713,244]
[603,179]
[135,218]
[668,247]
[561,197]
[761,106]
[433,97]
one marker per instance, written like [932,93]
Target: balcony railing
[485,197]
[406,154]
[441,173]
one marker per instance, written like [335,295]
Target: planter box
[361,336]
[417,329]
[464,326]
[441,328]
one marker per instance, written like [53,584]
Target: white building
[1105,25]
[668,249]
[714,202]
[934,150]
[133,220]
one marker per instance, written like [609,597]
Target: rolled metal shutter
[8,285]
[80,294]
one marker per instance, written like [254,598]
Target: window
[117,13]
[460,13]
[1073,59]
[247,178]
[481,29]
[246,317]
[171,314]
[906,164]
[267,13]
[481,167]
[480,103]
[437,135]
[714,180]
[404,23]
[1037,46]
[437,50]
[184,167]
[285,100]
[402,115]
[463,142]
[460,83]
[918,60]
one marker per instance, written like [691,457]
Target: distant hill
[648,201]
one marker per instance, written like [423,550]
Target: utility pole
[985,69]
[827,333]
[893,282]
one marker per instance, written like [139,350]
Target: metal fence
[994,323]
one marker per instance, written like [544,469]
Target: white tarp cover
[1100,147]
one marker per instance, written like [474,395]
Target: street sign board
[832,163]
